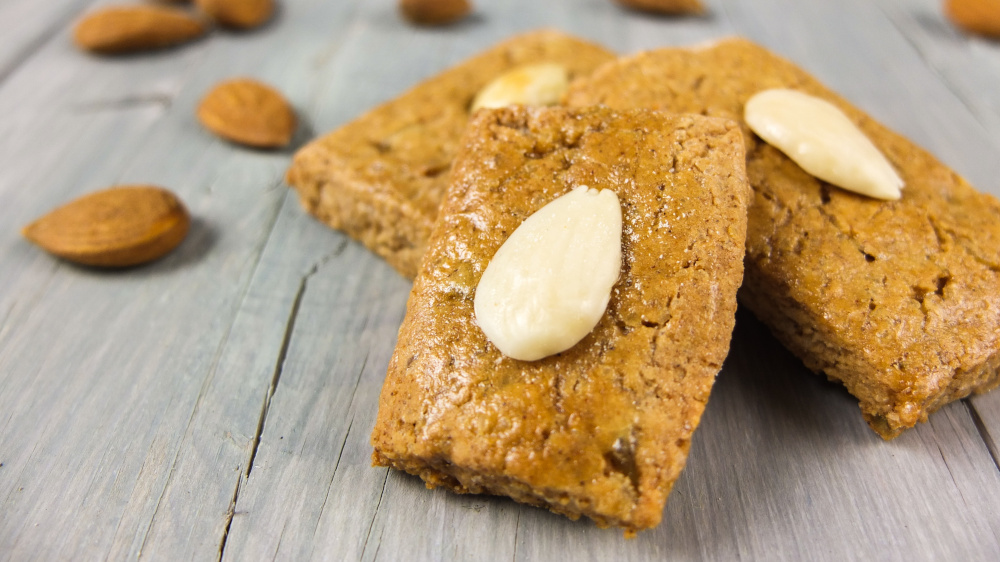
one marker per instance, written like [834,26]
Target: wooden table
[218,403]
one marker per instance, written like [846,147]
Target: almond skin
[434,12]
[128,29]
[117,227]
[238,14]
[248,112]
[665,6]
[977,16]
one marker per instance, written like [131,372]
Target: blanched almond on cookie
[248,112]
[533,84]
[977,16]
[434,12]
[116,227]
[126,29]
[238,14]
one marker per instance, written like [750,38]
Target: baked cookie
[603,428]
[381,177]
[898,300]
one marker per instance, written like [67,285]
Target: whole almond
[977,16]
[665,6]
[116,227]
[248,112]
[126,29]
[238,14]
[434,12]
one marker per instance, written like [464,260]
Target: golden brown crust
[602,429]
[381,177]
[899,300]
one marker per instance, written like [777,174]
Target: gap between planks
[279,368]
[244,292]
[374,518]
[984,432]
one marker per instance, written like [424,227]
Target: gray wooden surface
[218,403]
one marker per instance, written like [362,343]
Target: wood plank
[231,405]
[114,419]
[62,441]
[343,337]
[135,435]
[94,415]
[986,409]
[26,25]
[968,64]
[54,112]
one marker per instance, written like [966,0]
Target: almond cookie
[898,300]
[603,428]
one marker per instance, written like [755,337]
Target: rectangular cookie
[381,177]
[603,428]
[898,300]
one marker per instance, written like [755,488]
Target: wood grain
[218,403]
[25,25]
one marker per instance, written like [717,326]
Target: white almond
[550,282]
[822,141]
[536,84]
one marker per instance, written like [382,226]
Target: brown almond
[977,16]
[127,29]
[116,227]
[248,112]
[434,12]
[665,6]
[238,14]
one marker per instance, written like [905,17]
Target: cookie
[898,300]
[602,429]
